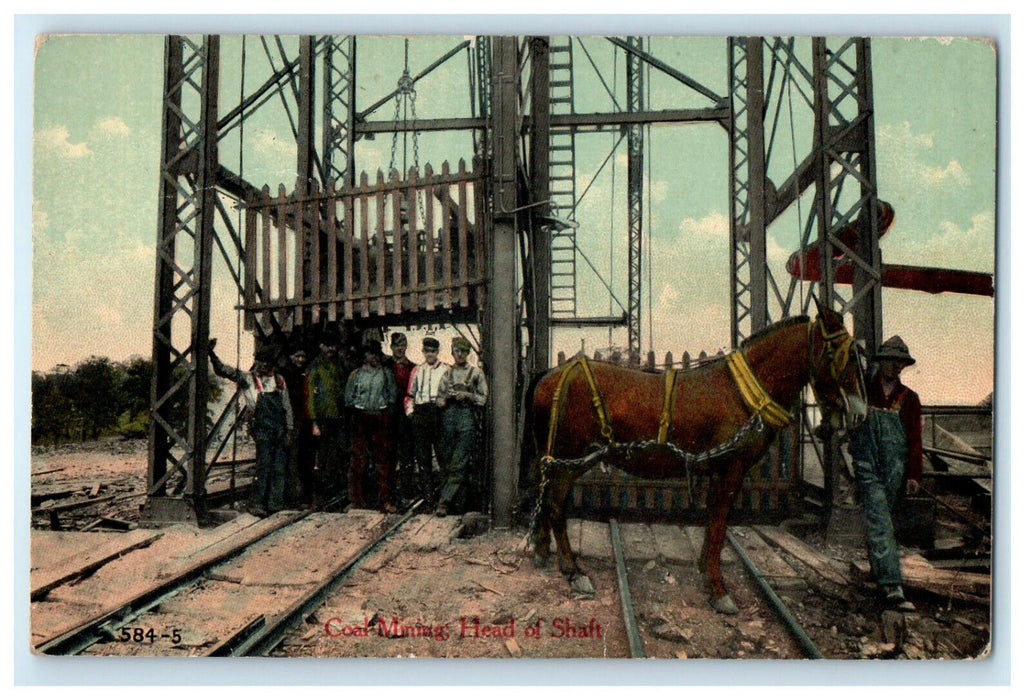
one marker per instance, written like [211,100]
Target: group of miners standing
[324,430]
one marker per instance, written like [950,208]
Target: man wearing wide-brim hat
[886,450]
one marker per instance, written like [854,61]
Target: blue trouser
[879,450]
[269,428]
[458,433]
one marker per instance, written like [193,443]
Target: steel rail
[809,648]
[104,626]
[258,638]
[626,607]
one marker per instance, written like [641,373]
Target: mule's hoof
[724,605]
[580,583]
[540,561]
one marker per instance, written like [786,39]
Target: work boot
[894,598]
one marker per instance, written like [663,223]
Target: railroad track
[770,598]
[249,619]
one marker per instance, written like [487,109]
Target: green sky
[96,154]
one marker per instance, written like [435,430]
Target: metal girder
[539,306]
[845,181]
[187,201]
[635,182]
[748,171]
[338,161]
[500,338]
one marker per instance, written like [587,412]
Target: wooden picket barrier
[379,250]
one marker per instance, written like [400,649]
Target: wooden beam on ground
[827,568]
[87,558]
[768,562]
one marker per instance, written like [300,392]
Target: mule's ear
[829,316]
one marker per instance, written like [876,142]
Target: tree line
[100,398]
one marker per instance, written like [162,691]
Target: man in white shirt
[421,405]
[462,393]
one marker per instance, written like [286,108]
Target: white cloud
[954,246]
[267,139]
[902,151]
[113,126]
[712,226]
[56,140]
[952,173]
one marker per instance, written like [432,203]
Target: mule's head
[836,371]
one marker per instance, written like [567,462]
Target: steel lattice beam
[189,169]
[635,181]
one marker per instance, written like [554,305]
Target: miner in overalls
[272,427]
[887,460]
[462,392]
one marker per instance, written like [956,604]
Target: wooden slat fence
[382,249]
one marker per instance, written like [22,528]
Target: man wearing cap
[462,392]
[271,424]
[371,393]
[421,405]
[402,367]
[886,452]
[326,380]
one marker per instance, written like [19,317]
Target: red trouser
[370,448]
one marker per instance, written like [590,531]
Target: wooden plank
[673,543]
[381,213]
[432,532]
[829,569]
[768,562]
[463,243]
[91,553]
[281,244]
[250,261]
[266,292]
[446,247]
[595,540]
[697,537]
[413,240]
[299,269]
[397,242]
[430,258]
[919,573]
[349,256]
[332,244]
[638,543]
[363,250]
[480,242]
[316,255]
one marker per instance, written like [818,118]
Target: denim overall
[269,429]
[879,449]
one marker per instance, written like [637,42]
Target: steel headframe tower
[841,169]
[189,165]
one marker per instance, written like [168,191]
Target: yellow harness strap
[756,397]
[559,402]
[668,405]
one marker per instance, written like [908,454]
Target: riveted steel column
[541,233]
[500,338]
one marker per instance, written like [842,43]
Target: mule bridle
[836,348]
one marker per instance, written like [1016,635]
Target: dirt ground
[478,597]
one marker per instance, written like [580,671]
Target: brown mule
[718,419]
